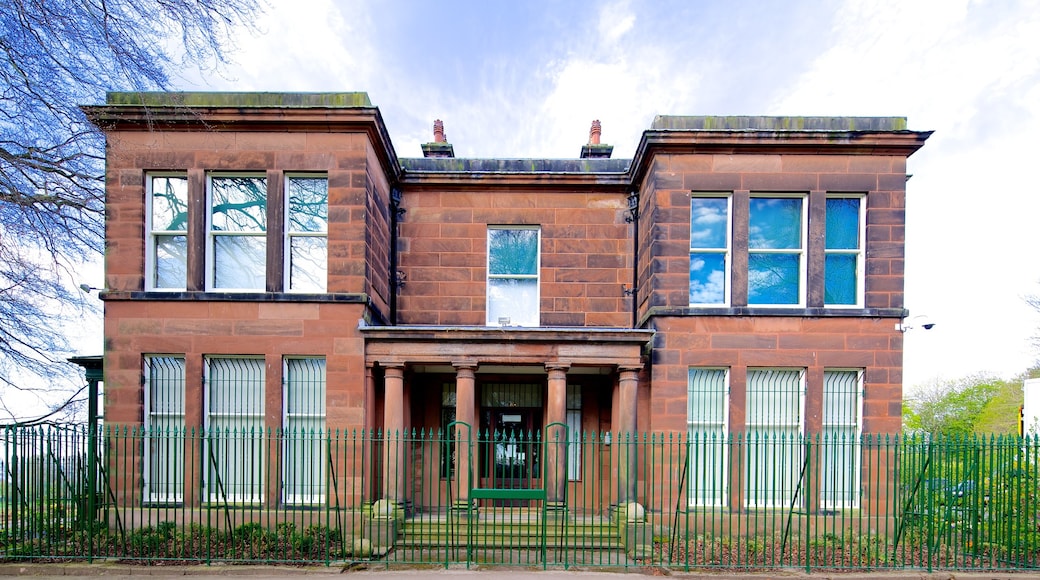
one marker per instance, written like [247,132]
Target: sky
[525,79]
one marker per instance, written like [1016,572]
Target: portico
[496,377]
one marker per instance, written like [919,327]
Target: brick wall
[586,251]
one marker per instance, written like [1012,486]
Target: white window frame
[537,277]
[707,437]
[290,235]
[800,251]
[164,431]
[151,240]
[573,418]
[726,252]
[859,253]
[219,441]
[841,488]
[767,440]
[304,484]
[212,235]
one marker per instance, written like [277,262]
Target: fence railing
[746,501]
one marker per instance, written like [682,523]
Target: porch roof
[483,345]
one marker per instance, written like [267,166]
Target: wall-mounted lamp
[633,206]
[88,288]
[919,321]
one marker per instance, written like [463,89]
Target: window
[303,471]
[512,284]
[237,250]
[843,266]
[167,253]
[776,243]
[306,233]
[709,250]
[840,453]
[574,429]
[164,428]
[774,427]
[707,403]
[447,432]
[235,423]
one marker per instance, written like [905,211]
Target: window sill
[184,296]
[814,312]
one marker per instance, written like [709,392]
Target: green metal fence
[460,497]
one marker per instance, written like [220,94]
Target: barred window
[234,423]
[303,470]
[574,428]
[707,404]
[840,454]
[775,398]
[164,428]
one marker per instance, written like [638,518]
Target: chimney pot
[438,132]
[594,132]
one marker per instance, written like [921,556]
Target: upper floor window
[306,233]
[512,276]
[237,249]
[709,250]
[776,251]
[843,266]
[166,261]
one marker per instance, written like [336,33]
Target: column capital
[563,366]
[630,368]
[465,364]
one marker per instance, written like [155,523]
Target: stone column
[628,433]
[555,475]
[465,436]
[394,460]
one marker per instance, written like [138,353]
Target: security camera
[920,320]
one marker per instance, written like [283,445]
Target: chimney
[440,146]
[595,150]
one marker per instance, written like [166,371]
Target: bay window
[166,258]
[843,253]
[237,248]
[709,250]
[776,248]
[306,233]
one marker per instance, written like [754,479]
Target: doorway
[510,437]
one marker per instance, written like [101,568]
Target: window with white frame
[167,253]
[709,250]
[237,218]
[843,252]
[303,470]
[707,417]
[306,233]
[774,403]
[575,433]
[234,424]
[164,428]
[512,276]
[840,445]
[776,251]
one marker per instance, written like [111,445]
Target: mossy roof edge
[763,123]
[239,100]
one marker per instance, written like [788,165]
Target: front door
[510,449]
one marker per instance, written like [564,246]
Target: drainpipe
[633,218]
[395,279]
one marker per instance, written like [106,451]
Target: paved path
[121,571]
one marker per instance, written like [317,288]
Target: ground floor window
[164,428]
[575,433]
[304,465]
[235,426]
[707,402]
[840,445]
[774,403]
